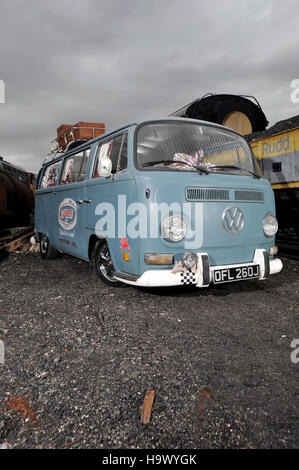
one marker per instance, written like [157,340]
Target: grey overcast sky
[116,61]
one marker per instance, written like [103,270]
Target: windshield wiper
[156,162]
[233,167]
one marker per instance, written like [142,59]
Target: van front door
[109,198]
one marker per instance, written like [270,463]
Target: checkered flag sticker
[188,277]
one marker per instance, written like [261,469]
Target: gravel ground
[80,357]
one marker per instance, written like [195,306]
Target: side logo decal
[67,214]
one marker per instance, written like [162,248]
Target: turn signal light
[273,250]
[158,258]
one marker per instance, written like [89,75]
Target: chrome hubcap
[105,264]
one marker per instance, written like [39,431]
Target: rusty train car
[16,195]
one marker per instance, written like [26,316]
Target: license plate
[250,271]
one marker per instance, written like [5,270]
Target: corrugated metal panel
[278,128]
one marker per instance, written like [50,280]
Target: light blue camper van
[162,202]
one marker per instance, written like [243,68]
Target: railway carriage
[277,150]
[16,195]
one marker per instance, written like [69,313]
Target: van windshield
[186,146]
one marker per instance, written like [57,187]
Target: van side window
[50,176]
[109,149]
[123,159]
[84,164]
[116,144]
[74,167]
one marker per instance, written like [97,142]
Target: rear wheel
[103,265]
[47,250]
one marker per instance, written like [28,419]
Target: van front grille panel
[207,194]
[243,195]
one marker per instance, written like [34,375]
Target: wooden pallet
[13,238]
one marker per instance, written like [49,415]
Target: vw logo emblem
[232,220]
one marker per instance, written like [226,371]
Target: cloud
[118,61]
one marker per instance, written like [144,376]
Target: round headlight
[189,260]
[173,228]
[270,225]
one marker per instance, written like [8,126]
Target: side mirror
[105,167]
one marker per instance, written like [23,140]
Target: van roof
[136,123]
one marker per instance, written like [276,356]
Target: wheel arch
[92,243]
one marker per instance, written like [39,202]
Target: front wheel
[47,251]
[103,265]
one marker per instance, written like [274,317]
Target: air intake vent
[242,195]
[207,194]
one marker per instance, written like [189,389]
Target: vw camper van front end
[209,214]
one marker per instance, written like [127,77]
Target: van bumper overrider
[202,275]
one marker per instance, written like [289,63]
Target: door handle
[79,201]
[87,201]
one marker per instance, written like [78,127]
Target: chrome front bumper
[203,274]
